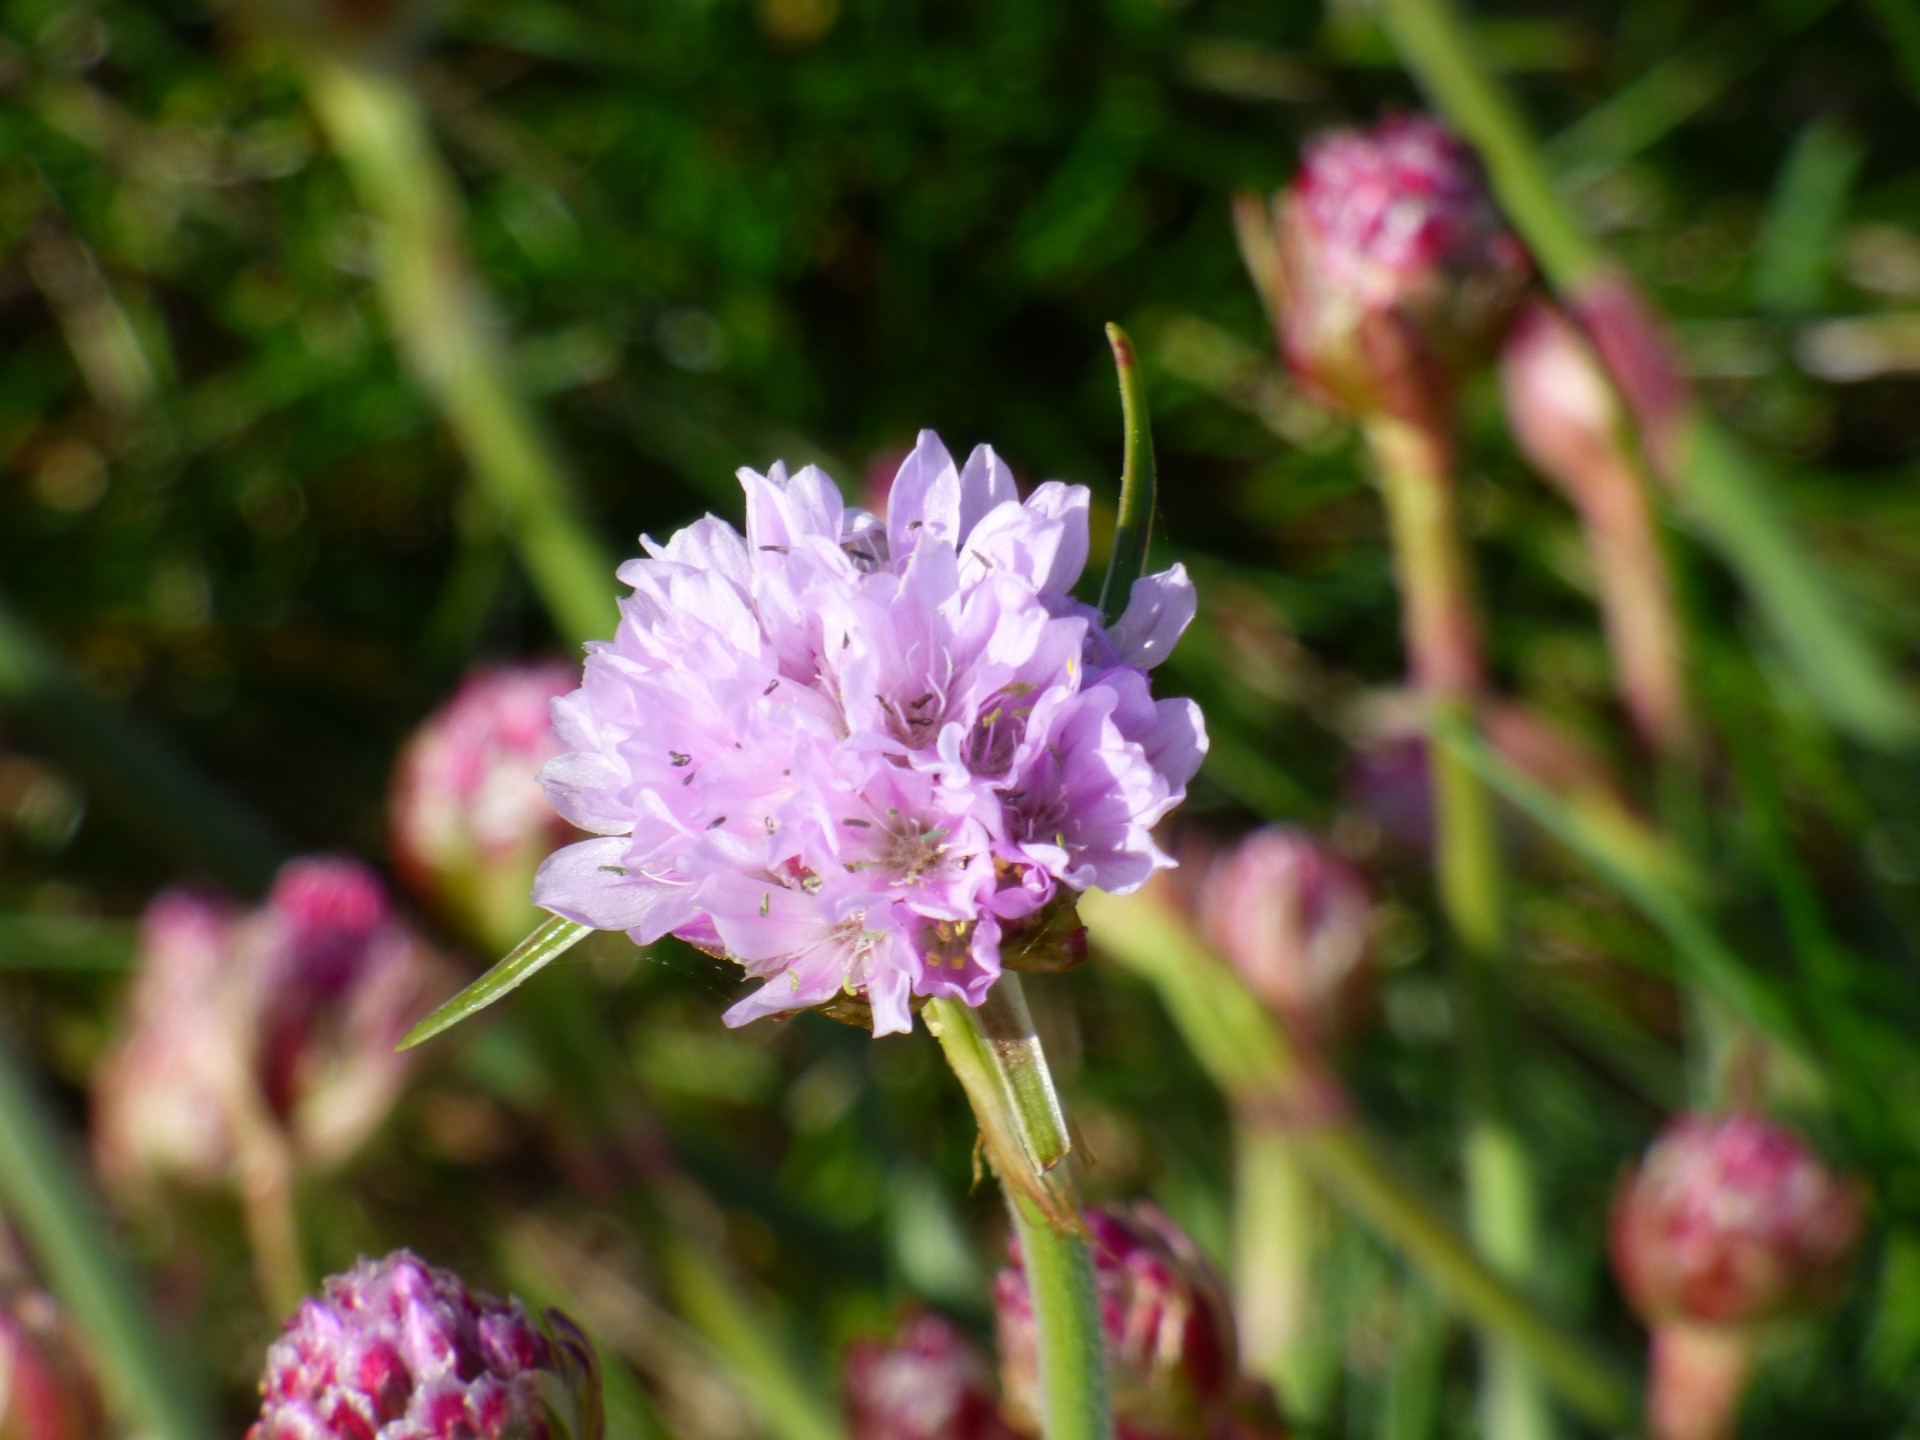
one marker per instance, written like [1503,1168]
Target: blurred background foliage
[712,233]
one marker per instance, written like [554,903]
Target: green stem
[1045,1209]
[1278,1220]
[1249,1058]
[439,315]
[1415,469]
[1722,490]
[45,1193]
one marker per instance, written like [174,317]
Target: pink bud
[1171,1350]
[1296,921]
[341,979]
[162,1096]
[929,1382]
[1730,1221]
[1395,269]
[44,1392]
[398,1350]
[1560,404]
[469,823]
[285,1016]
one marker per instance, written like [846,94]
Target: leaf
[1133,529]
[551,939]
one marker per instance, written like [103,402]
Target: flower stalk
[997,1058]
[1414,464]
[1262,1074]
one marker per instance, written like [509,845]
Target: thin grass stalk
[64,1224]
[440,317]
[1279,1231]
[1249,1058]
[1414,464]
[1720,489]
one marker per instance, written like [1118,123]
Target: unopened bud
[1296,921]
[397,1348]
[469,821]
[285,1016]
[1395,270]
[45,1393]
[1560,404]
[1172,1356]
[1732,1221]
[928,1382]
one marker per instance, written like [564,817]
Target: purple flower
[468,822]
[398,1350]
[851,754]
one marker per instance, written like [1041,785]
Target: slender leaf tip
[1133,527]
[550,939]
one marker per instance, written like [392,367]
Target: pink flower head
[1296,921]
[396,1349]
[1172,1354]
[285,1016]
[469,822]
[45,1393]
[851,754]
[929,1382]
[1394,265]
[1730,1221]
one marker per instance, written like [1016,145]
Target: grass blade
[551,939]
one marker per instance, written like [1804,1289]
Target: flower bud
[163,1095]
[285,1016]
[396,1349]
[1560,405]
[1171,1352]
[929,1382]
[342,979]
[468,821]
[44,1392]
[1395,270]
[1732,1221]
[1296,921]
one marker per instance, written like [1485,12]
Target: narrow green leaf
[1725,498]
[1703,956]
[1804,216]
[551,939]
[1133,530]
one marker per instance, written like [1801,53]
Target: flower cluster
[396,1349]
[857,755]
[284,1018]
[1394,266]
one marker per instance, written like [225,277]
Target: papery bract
[851,753]
[396,1349]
